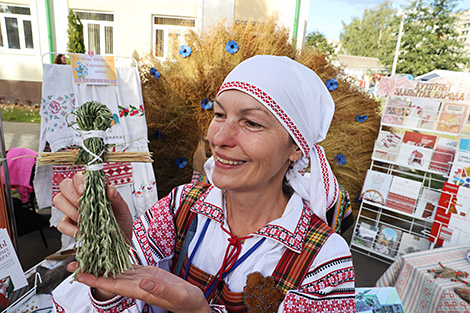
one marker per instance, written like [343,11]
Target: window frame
[102,24]
[166,31]
[20,18]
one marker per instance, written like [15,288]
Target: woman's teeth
[229,162]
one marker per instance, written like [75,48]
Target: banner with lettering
[93,69]
[440,89]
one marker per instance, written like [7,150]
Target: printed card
[426,112]
[387,241]
[411,243]
[451,117]
[376,186]
[12,276]
[403,194]
[440,230]
[396,112]
[387,146]
[427,203]
[460,171]
[443,155]
[414,156]
[365,235]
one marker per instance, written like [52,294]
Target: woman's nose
[226,135]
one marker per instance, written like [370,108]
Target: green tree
[429,40]
[76,43]
[318,41]
[367,36]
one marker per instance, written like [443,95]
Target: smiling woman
[216,247]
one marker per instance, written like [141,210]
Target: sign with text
[12,276]
[439,89]
[93,69]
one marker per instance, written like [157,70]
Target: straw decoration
[100,243]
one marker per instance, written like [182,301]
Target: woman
[259,222]
[60,59]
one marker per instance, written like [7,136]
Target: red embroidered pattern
[114,305]
[293,240]
[325,173]
[58,308]
[267,100]
[296,303]
[141,234]
[333,279]
[162,227]
[117,174]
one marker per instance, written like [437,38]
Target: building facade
[463,31]
[29,29]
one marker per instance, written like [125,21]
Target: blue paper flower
[361,118]
[155,73]
[185,51]
[157,134]
[231,46]
[207,103]
[181,162]
[340,159]
[331,84]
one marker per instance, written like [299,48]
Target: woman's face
[251,148]
[63,59]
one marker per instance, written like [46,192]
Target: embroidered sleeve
[329,285]
[218,308]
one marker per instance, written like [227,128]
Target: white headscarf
[299,99]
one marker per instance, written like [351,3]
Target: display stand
[422,126]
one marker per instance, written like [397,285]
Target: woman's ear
[296,154]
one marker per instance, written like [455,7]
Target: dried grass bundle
[173,101]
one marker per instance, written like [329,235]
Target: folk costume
[296,263]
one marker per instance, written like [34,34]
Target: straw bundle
[177,122]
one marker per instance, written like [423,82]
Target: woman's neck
[247,212]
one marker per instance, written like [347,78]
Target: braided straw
[100,243]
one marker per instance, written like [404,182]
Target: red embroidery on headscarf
[325,175]
[268,101]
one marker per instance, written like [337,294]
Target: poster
[93,69]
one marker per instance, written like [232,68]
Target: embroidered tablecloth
[419,291]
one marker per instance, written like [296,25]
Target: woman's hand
[67,200]
[152,285]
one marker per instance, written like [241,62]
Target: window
[465,32]
[168,34]
[16,30]
[97,31]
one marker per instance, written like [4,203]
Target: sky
[326,16]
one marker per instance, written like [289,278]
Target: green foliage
[367,36]
[317,40]
[429,40]
[76,43]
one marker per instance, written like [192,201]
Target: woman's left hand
[152,285]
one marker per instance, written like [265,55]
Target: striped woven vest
[288,274]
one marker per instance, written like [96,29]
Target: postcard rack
[416,193]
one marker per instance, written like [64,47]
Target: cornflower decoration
[101,246]
[331,84]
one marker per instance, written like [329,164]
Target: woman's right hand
[67,201]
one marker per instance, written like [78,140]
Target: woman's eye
[253,124]
[218,115]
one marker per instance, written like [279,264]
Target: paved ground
[21,135]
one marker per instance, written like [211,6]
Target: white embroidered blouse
[328,286]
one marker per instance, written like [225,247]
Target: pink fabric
[20,166]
